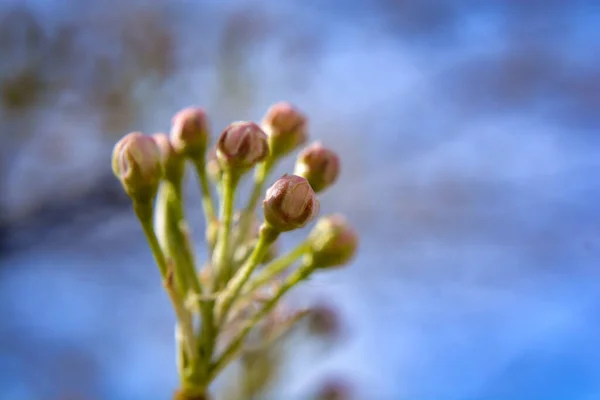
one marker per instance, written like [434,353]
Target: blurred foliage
[40,63]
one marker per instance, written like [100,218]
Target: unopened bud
[286,128]
[136,162]
[241,145]
[323,320]
[334,390]
[319,165]
[189,132]
[290,204]
[172,162]
[333,242]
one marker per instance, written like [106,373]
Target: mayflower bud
[319,165]
[172,162]
[286,128]
[334,390]
[323,320]
[241,145]
[333,242]
[189,132]
[290,204]
[137,163]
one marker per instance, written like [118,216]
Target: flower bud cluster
[235,246]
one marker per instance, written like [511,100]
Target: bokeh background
[470,139]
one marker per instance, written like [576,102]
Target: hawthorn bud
[189,132]
[334,390]
[290,204]
[173,164]
[333,242]
[286,128]
[324,320]
[319,165]
[137,163]
[241,145]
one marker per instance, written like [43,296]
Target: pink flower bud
[137,163]
[241,145]
[334,390]
[172,162]
[324,320]
[333,242]
[189,132]
[319,165]
[286,128]
[290,204]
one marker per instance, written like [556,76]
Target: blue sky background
[470,139]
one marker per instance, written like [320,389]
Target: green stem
[230,181]
[209,336]
[144,213]
[207,201]
[282,329]
[172,235]
[260,175]
[231,351]
[178,243]
[187,393]
[276,267]
[266,237]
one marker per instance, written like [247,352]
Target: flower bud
[173,164]
[334,390]
[319,165]
[136,162]
[333,242]
[290,204]
[189,132]
[323,320]
[286,128]
[241,145]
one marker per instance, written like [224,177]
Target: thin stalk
[234,347]
[144,213]
[207,201]
[224,302]
[276,267]
[230,181]
[260,175]
[179,243]
[174,238]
